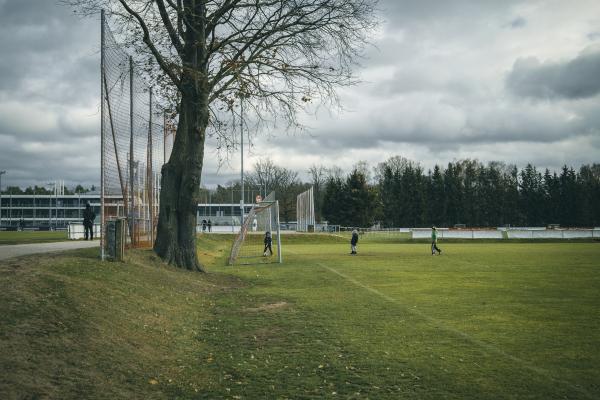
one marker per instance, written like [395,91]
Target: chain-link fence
[136,142]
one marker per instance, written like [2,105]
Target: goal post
[249,244]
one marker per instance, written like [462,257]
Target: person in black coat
[354,241]
[268,240]
[88,222]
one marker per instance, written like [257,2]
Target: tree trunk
[176,232]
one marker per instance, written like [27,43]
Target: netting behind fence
[134,133]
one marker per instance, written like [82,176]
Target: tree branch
[159,58]
[175,40]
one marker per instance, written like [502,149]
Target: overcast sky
[512,81]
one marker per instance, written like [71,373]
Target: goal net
[260,228]
[305,211]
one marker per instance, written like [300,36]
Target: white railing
[495,234]
[75,231]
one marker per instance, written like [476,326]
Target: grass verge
[24,237]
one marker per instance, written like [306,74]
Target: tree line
[401,193]
[486,195]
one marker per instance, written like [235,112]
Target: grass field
[481,321]
[23,237]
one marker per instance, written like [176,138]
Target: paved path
[16,250]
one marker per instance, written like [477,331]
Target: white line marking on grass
[438,324]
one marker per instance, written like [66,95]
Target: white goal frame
[247,225]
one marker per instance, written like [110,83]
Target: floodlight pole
[1,173]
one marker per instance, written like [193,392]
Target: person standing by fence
[434,247]
[88,222]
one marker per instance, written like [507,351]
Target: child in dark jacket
[268,242]
[354,241]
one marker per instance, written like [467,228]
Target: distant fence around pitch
[554,234]
[490,234]
[457,234]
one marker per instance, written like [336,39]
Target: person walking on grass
[434,247]
[268,241]
[88,222]
[353,241]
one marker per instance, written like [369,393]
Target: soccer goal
[305,211]
[249,245]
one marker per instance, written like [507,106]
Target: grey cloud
[49,87]
[437,79]
[408,11]
[417,119]
[574,79]
[518,23]
[39,162]
[42,41]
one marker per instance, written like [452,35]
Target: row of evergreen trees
[466,192]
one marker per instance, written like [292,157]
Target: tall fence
[135,143]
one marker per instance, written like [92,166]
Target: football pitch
[496,320]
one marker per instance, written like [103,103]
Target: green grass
[23,237]
[482,321]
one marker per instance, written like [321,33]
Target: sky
[512,81]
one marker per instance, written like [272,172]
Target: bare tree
[318,175]
[265,175]
[283,181]
[271,57]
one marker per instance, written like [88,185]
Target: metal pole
[164,137]
[1,173]
[150,174]
[242,158]
[55,205]
[102,94]
[131,160]
[279,256]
